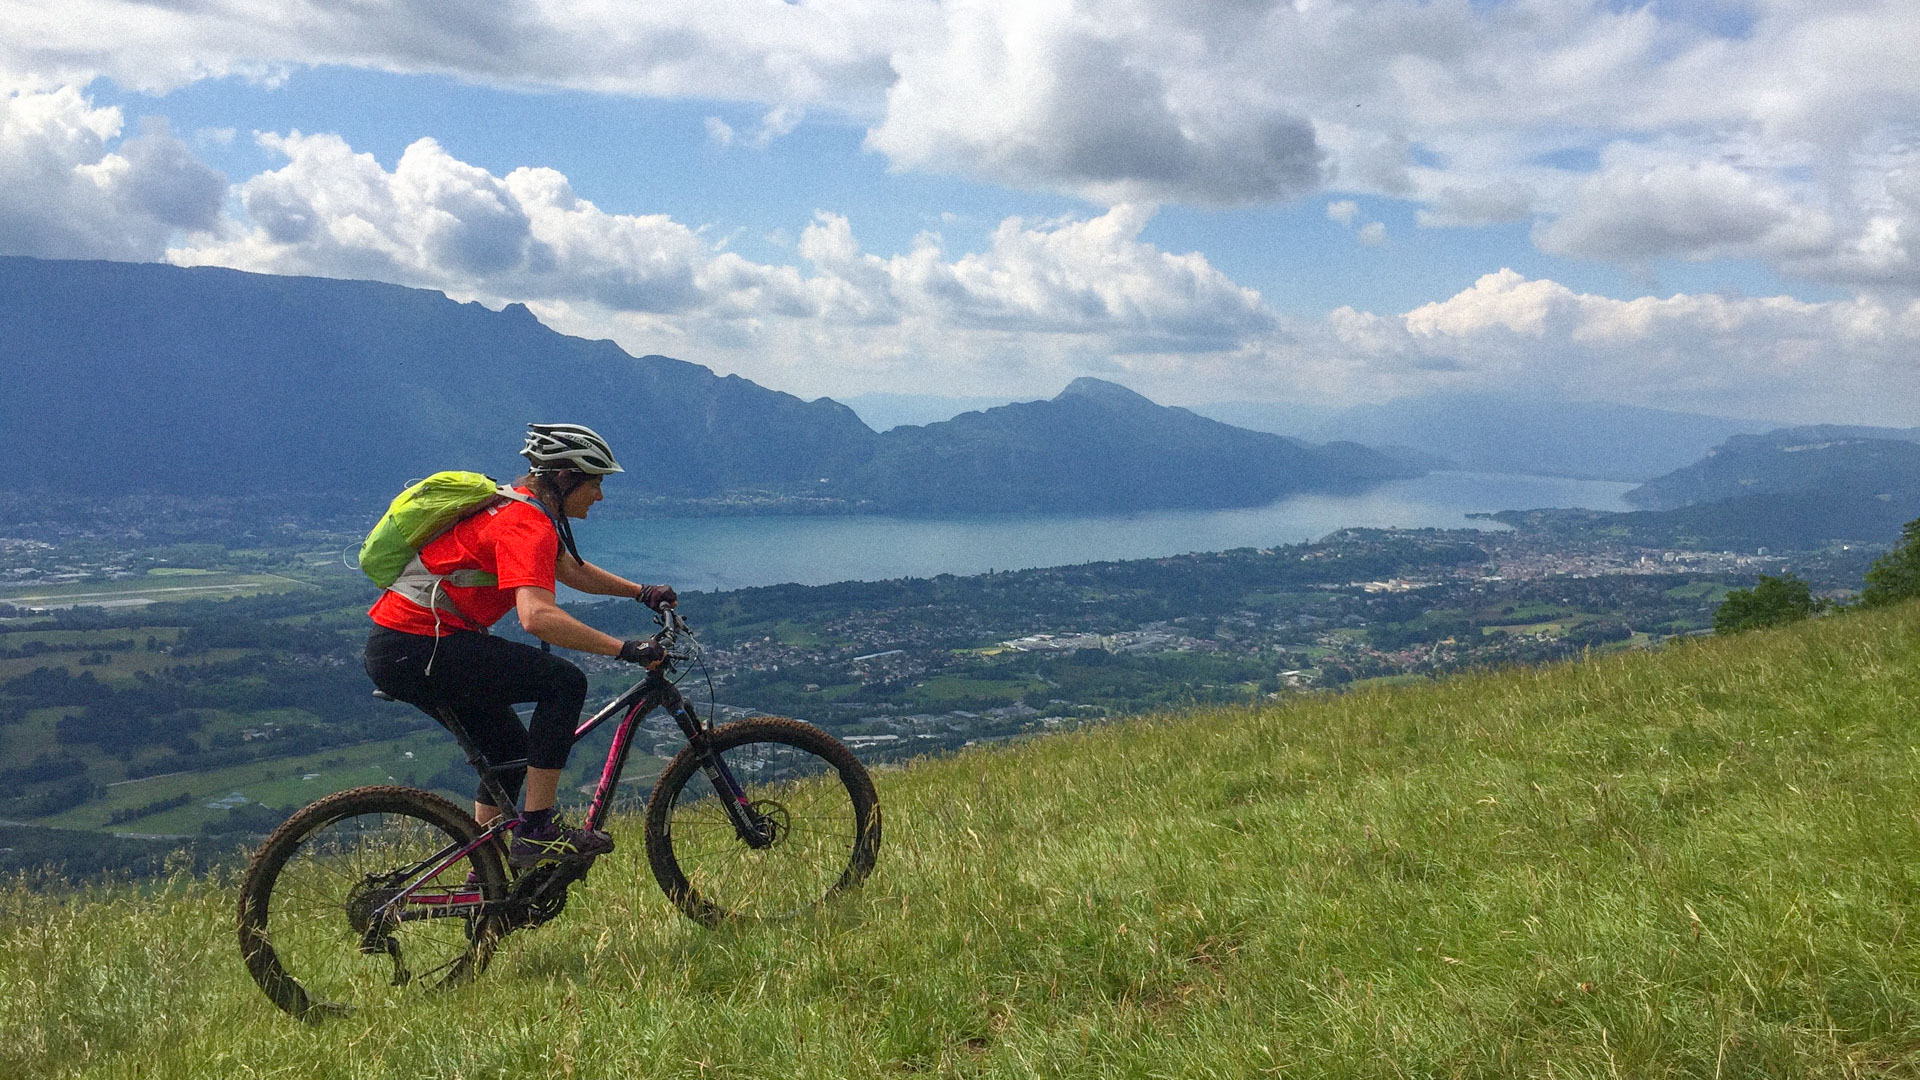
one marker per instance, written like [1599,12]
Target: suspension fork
[749,824]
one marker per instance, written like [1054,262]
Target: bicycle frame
[636,703]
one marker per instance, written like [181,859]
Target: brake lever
[672,628]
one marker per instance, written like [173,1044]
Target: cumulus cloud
[67,190]
[779,121]
[1628,133]
[437,222]
[1773,357]
[1481,204]
[1885,250]
[745,50]
[1067,277]
[1121,104]
[1031,305]
[1695,210]
[1344,211]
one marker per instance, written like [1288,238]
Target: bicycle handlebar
[673,631]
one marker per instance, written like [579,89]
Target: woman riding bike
[442,656]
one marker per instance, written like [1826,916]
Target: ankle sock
[535,823]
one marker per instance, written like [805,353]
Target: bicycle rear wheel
[321,928]
[821,815]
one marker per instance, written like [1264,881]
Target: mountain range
[1798,488]
[1795,487]
[1877,463]
[140,377]
[1100,446]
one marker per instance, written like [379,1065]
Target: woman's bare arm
[543,617]
[593,580]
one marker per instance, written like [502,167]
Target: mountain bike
[379,891]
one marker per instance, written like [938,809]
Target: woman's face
[582,497]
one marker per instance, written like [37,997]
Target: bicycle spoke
[806,858]
[328,907]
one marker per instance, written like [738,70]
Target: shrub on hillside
[44,766]
[1895,576]
[64,795]
[134,813]
[45,686]
[1773,602]
[250,818]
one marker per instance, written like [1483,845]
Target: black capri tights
[482,677]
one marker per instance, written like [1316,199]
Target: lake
[736,552]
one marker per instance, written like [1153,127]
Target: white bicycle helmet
[568,446]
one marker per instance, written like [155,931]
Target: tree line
[1775,601]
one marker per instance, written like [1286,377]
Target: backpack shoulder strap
[423,586]
[558,522]
[506,491]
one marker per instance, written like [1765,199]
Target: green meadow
[1699,861]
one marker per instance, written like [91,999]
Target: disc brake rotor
[774,817]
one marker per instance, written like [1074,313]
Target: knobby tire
[793,771]
[307,875]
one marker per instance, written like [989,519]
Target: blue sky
[1712,206]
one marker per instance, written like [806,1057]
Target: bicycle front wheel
[816,812]
[324,926]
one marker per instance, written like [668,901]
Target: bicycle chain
[540,893]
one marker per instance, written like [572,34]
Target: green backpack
[390,556]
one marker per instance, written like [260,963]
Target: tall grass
[1699,862]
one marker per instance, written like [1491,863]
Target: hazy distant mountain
[1509,433]
[1782,521]
[1872,463]
[1100,446]
[884,411]
[1790,488]
[136,377]
[126,377]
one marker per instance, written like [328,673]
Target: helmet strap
[559,515]
[565,529]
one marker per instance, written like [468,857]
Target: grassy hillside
[1695,862]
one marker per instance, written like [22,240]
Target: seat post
[487,771]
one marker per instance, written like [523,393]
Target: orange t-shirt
[513,541]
